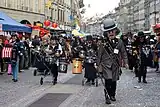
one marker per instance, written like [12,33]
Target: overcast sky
[99,6]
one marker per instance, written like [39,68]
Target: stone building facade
[36,10]
[31,10]
[143,14]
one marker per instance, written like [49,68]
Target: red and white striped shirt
[7,52]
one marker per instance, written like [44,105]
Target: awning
[9,24]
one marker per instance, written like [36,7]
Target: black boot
[144,79]
[15,80]
[107,97]
[55,81]
[136,72]
[88,81]
[93,83]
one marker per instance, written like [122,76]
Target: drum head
[63,68]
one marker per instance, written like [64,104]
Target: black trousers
[142,72]
[111,87]
[21,63]
[136,70]
[54,70]
[2,65]
[156,65]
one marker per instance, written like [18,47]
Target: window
[36,5]
[61,15]
[30,5]
[9,4]
[19,4]
[58,14]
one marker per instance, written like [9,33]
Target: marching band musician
[75,47]
[51,50]
[145,57]
[69,51]
[135,51]
[65,47]
[108,59]
[91,52]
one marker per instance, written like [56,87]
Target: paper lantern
[47,23]
[54,25]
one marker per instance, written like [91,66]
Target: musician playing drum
[90,60]
[52,49]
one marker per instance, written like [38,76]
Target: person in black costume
[135,50]
[76,47]
[145,57]
[91,52]
[51,50]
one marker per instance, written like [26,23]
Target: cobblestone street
[130,93]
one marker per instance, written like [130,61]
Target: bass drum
[63,65]
[77,66]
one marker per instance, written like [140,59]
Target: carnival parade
[52,54]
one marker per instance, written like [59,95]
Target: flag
[49,3]
[6,52]
[77,22]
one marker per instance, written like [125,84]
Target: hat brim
[105,30]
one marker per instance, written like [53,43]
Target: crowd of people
[99,53]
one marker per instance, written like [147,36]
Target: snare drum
[63,65]
[82,54]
